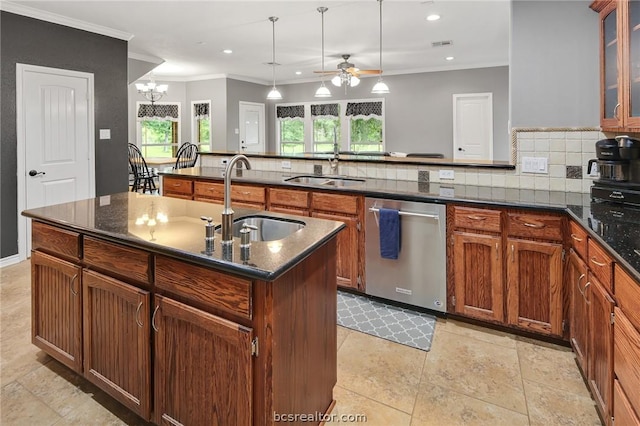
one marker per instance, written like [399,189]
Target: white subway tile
[526,144]
[412,174]
[526,182]
[557,171]
[557,135]
[541,135]
[559,158]
[512,181]
[484,179]
[542,145]
[401,174]
[498,180]
[434,176]
[472,178]
[391,173]
[588,146]
[557,184]
[573,135]
[460,177]
[574,145]
[541,183]
[381,172]
[573,185]
[557,145]
[586,185]
[574,159]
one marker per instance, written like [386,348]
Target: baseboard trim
[9,260]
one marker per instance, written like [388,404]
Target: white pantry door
[473,126]
[55,134]
[252,132]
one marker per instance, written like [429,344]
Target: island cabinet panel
[177,187]
[56,308]
[289,201]
[627,358]
[54,240]
[129,263]
[600,348]
[478,276]
[204,286]
[623,411]
[579,309]
[628,296]
[202,367]
[208,190]
[117,340]
[534,286]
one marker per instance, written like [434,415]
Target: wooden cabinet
[56,308]
[600,349]
[117,340]
[579,309]
[623,411]
[289,201]
[619,64]
[478,276]
[253,197]
[350,257]
[177,187]
[200,360]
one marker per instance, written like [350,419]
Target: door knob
[460,149]
[35,173]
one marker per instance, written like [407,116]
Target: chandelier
[152,91]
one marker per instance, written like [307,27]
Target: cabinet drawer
[481,219]
[252,194]
[626,353]
[123,261]
[528,225]
[208,190]
[55,240]
[627,293]
[601,264]
[199,284]
[176,185]
[578,239]
[623,411]
[289,198]
[334,202]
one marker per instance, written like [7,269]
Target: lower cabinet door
[623,412]
[117,340]
[202,367]
[56,308]
[578,311]
[348,250]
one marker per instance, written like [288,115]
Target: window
[357,125]
[158,128]
[365,126]
[291,128]
[201,125]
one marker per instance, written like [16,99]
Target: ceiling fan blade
[327,72]
[370,71]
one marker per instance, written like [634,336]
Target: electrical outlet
[223,161]
[286,164]
[447,192]
[446,174]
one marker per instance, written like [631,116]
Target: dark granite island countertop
[114,217]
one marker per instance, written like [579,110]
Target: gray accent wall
[31,41]
[555,78]
[419,107]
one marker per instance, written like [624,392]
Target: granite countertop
[614,226]
[114,217]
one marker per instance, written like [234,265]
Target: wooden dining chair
[187,156]
[143,177]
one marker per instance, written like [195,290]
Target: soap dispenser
[209,235]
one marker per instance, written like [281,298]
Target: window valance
[168,112]
[291,112]
[364,109]
[201,110]
[325,110]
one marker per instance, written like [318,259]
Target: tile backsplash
[567,151]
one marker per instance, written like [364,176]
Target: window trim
[194,124]
[174,146]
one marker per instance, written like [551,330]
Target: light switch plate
[105,133]
[446,174]
[535,165]
[286,164]
[447,192]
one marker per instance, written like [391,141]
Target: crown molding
[146,58]
[54,18]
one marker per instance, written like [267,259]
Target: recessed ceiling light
[433,17]
[298,72]
[227,51]
[449,58]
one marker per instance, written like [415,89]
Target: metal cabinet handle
[138,315]
[497,251]
[593,260]
[75,293]
[512,253]
[474,217]
[246,193]
[576,238]
[578,283]
[534,225]
[177,184]
[615,111]
[585,293]
[153,318]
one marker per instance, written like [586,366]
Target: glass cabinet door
[611,95]
[634,62]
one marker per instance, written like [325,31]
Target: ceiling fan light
[336,81]
[274,94]
[354,81]
[323,92]
[380,87]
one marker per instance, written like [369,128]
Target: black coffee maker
[619,168]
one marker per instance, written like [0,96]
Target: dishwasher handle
[403,213]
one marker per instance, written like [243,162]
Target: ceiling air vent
[442,43]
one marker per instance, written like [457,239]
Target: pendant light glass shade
[323,91]
[274,94]
[380,87]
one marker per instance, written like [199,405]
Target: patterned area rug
[392,323]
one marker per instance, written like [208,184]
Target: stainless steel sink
[335,181]
[269,228]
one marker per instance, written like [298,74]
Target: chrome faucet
[227,212]
[333,162]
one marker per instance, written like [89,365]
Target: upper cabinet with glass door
[619,64]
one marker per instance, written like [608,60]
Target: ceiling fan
[347,67]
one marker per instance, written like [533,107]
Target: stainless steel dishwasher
[418,276]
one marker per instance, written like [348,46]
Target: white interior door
[55,138]
[252,127]
[473,126]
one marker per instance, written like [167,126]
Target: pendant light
[323,91]
[380,87]
[274,94]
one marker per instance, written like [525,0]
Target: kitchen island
[125,292]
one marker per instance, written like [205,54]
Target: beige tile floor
[471,376]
